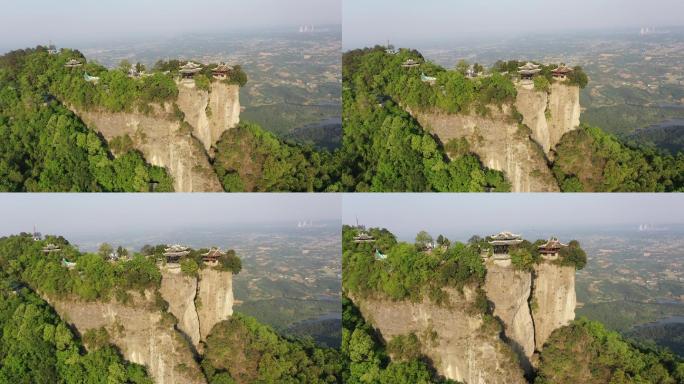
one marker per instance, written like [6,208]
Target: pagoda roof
[410,63]
[73,63]
[562,70]
[552,243]
[223,67]
[423,77]
[176,250]
[529,66]
[214,252]
[504,238]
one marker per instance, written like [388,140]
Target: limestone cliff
[162,140]
[140,332]
[521,153]
[509,292]
[500,144]
[450,336]
[209,113]
[215,296]
[180,290]
[551,114]
[553,298]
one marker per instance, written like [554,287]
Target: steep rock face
[215,299]
[509,291]
[179,291]
[554,298]
[549,115]
[209,113]
[460,351]
[163,143]
[140,333]
[499,143]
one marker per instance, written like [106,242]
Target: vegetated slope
[385,149]
[37,346]
[251,159]
[585,352]
[670,336]
[669,138]
[125,303]
[174,128]
[249,352]
[591,160]
[45,147]
[512,127]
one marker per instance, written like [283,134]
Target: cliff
[159,135]
[502,144]
[554,299]
[180,290]
[509,292]
[215,299]
[140,332]
[450,336]
[528,304]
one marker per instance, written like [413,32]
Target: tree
[105,250]
[125,65]
[462,67]
[423,239]
[139,67]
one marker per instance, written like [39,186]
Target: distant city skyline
[413,24]
[92,214]
[28,23]
[484,214]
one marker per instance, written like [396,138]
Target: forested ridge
[581,352]
[385,149]
[47,350]
[44,146]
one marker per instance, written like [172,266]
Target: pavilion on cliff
[561,73]
[51,248]
[501,244]
[212,257]
[410,63]
[428,79]
[222,71]
[189,70]
[528,71]
[73,63]
[551,249]
[363,237]
[174,253]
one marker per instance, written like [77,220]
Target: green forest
[385,149]
[44,146]
[36,346]
[413,271]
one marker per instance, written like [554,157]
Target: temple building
[91,79]
[501,244]
[410,63]
[222,71]
[68,264]
[212,257]
[189,70]
[363,237]
[174,253]
[561,73]
[52,50]
[428,79]
[73,63]
[551,250]
[528,71]
[50,248]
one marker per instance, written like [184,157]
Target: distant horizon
[463,215]
[416,23]
[75,22]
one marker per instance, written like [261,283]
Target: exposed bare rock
[450,336]
[215,299]
[179,291]
[509,292]
[140,332]
[554,299]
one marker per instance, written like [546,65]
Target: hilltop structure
[189,70]
[561,73]
[363,237]
[51,248]
[212,257]
[551,249]
[73,63]
[222,71]
[528,71]
[174,253]
[501,244]
[410,63]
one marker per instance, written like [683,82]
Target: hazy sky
[408,23]
[31,22]
[484,214]
[85,213]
